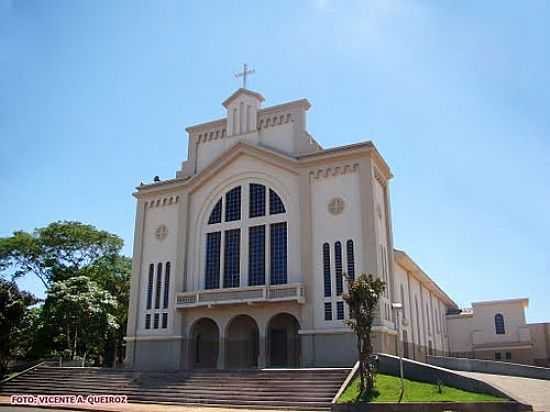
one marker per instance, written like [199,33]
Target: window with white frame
[252,215]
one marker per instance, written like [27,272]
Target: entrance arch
[283,341]
[205,337]
[242,343]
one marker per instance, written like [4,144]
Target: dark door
[279,350]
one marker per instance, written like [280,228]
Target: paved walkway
[535,392]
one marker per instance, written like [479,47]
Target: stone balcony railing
[250,294]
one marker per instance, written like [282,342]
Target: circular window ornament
[161,232]
[336,206]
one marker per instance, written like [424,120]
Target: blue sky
[95,97]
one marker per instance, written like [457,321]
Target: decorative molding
[334,171]
[275,119]
[379,177]
[212,134]
[163,201]
[336,206]
[151,337]
[161,232]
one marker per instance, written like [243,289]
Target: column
[262,350]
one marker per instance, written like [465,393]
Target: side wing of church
[240,261]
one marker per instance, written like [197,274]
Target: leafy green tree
[57,251]
[362,298]
[16,322]
[82,315]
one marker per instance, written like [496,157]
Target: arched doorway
[205,338]
[283,341]
[242,343]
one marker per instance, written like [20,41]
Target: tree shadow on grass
[367,396]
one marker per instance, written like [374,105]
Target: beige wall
[540,335]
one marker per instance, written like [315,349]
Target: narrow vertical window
[340,310]
[326,269]
[256,255]
[213,246]
[257,200]
[499,324]
[156,321]
[278,253]
[164,320]
[351,259]
[158,286]
[166,285]
[150,286]
[232,259]
[338,267]
[403,312]
[328,311]
[148,321]
[233,205]
[276,205]
[216,215]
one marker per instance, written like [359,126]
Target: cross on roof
[244,73]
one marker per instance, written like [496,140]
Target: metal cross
[244,73]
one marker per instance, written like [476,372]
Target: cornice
[242,91]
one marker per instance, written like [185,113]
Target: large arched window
[499,324]
[246,239]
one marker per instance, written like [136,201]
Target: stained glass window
[256,255]
[257,200]
[233,205]
[326,270]
[216,215]
[276,205]
[213,247]
[232,258]
[278,253]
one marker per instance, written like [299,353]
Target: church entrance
[242,343]
[283,341]
[204,344]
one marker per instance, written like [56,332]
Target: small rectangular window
[278,250]
[508,355]
[166,285]
[164,320]
[328,311]
[257,200]
[213,246]
[256,255]
[148,321]
[340,310]
[233,205]
[156,321]
[498,356]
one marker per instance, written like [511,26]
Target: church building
[241,260]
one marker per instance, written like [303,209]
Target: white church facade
[240,261]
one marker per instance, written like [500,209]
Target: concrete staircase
[305,389]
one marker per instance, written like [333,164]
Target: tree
[16,322]
[57,251]
[81,316]
[362,298]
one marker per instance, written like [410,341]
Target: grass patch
[387,390]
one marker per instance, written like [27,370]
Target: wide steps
[311,389]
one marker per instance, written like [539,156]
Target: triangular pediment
[240,92]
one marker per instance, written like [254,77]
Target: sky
[95,97]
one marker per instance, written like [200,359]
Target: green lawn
[387,390]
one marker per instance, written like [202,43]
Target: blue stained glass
[158,286]
[351,259]
[338,267]
[166,285]
[216,215]
[150,286]
[257,200]
[278,253]
[256,255]
[276,205]
[328,311]
[499,324]
[326,269]
[213,247]
[340,310]
[232,259]
[233,205]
